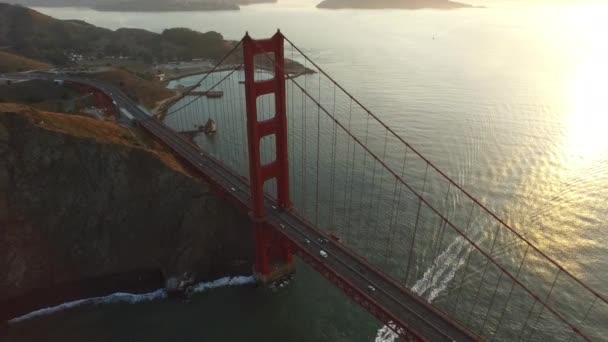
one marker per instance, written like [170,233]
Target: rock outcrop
[82,198]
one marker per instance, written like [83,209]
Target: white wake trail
[434,281]
[442,268]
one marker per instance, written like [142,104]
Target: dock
[210,94]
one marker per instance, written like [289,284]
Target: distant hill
[387,4]
[137,5]
[144,5]
[252,2]
[14,63]
[38,36]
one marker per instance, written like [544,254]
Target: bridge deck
[397,303]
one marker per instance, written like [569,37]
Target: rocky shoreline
[89,208]
[136,282]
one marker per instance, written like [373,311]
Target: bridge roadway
[377,292]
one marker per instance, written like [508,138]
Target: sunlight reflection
[576,57]
[586,113]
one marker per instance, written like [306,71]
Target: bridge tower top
[277,125]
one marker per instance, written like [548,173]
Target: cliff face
[82,198]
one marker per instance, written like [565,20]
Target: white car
[323,254]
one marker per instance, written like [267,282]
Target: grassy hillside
[13,63]
[35,92]
[147,93]
[102,132]
[38,36]
[45,95]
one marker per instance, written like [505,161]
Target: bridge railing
[359,180]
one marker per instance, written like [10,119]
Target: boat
[214,94]
[210,127]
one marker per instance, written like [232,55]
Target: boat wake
[434,281]
[130,298]
[388,333]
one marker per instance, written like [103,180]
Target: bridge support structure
[274,257]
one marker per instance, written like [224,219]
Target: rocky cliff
[82,198]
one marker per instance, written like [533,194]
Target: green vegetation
[145,92]
[45,95]
[34,92]
[37,36]
[199,44]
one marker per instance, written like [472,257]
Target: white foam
[388,333]
[113,298]
[443,284]
[222,282]
[434,281]
[442,271]
[130,298]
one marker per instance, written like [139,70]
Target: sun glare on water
[586,98]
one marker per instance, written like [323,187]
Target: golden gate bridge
[324,178]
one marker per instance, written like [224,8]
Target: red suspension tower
[274,257]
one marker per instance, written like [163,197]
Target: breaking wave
[130,298]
